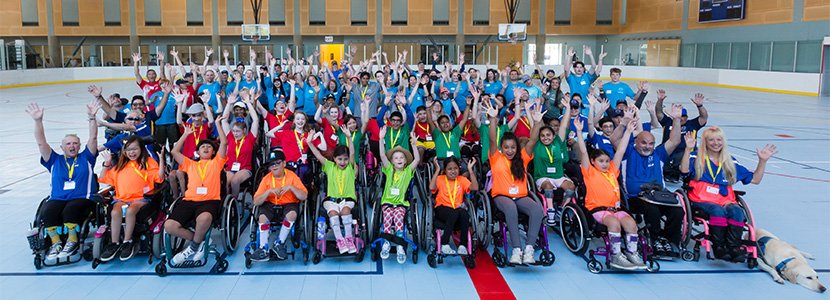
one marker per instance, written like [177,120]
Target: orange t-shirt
[131,182]
[269,182]
[502,178]
[203,178]
[603,190]
[451,193]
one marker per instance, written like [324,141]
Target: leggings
[451,219]
[511,210]
[393,218]
[58,212]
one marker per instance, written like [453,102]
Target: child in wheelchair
[450,189]
[281,187]
[398,165]
[602,199]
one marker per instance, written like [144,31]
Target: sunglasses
[134,119]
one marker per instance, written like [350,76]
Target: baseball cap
[616,113]
[275,157]
[684,113]
[575,104]
[525,77]
[195,109]
[443,90]
[239,104]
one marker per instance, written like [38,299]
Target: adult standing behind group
[578,80]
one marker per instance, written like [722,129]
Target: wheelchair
[148,226]
[498,231]
[39,241]
[433,238]
[228,226]
[298,236]
[324,242]
[578,228]
[700,236]
[412,234]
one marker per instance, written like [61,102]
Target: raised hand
[768,151]
[35,111]
[587,51]
[577,125]
[106,156]
[188,130]
[661,94]
[94,90]
[225,53]
[604,104]
[676,111]
[698,99]
[160,57]
[92,108]
[252,53]
[345,130]
[650,105]
[643,86]
[205,98]
[436,164]
[491,111]
[571,52]
[690,139]
[435,56]
[537,113]
[136,58]
[167,87]
[382,133]
[209,52]
[602,55]
[219,120]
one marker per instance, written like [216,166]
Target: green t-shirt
[357,140]
[447,142]
[548,160]
[340,181]
[397,182]
[400,136]
[484,133]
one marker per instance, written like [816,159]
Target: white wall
[783,81]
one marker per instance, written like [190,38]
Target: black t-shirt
[691,125]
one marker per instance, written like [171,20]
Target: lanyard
[363,94]
[395,177]
[550,155]
[70,168]
[425,129]
[447,138]
[140,174]
[300,141]
[498,134]
[467,128]
[341,184]
[196,136]
[524,120]
[507,164]
[612,181]
[274,182]
[709,167]
[452,192]
[279,117]
[202,171]
[238,146]
[353,135]
[395,138]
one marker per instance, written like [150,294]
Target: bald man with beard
[643,164]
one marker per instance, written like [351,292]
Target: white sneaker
[516,257]
[401,254]
[619,261]
[527,258]
[446,249]
[54,251]
[551,217]
[68,250]
[181,257]
[635,260]
[462,250]
[200,252]
[384,250]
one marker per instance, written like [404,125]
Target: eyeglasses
[134,119]
[396,120]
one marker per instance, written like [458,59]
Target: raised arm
[563,128]
[584,159]
[619,151]
[136,62]
[655,122]
[364,114]
[254,116]
[703,114]
[105,106]
[658,107]
[177,147]
[320,158]
[674,134]
[492,114]
[590,54]
[690,139]
[763,156]
[535,115]
[223,138]
[36,112]
[432,181]
[416,155]
[568,62]
[598,69]
[208,53]
[92,143]
[166,88]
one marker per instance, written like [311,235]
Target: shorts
[600,215]
[185,212]
[268,210]
[332,205]
[425,144]
[556,182]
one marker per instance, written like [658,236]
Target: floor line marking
[488,280]
[784,159]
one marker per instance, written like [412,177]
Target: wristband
[699,106]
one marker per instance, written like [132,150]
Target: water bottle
[321,228]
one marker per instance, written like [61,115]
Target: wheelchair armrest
[740,193]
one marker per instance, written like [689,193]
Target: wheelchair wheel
[574,229]
[432,261]
[653,266]
[38,262]
[687,255]
[547,258]
[230,224]
[499,258]
[161,269]
[594,266]
[483,220]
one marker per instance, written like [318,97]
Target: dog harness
[762,245]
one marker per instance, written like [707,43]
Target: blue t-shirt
[742,174]
[82,176]
[492,88]
[508,91]
[638,170]
[691,125]
[582,119]
[461,93]
[168,115]
[212,89]
[602,142]
[146,126]
[307,100]
[251,85]
[581,84]
[533,91]
[616,92]
[418,100]
[115,145]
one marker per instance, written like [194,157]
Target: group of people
[188,127]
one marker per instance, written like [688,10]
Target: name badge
[450,153]
[146,189]
[333,137]
[513,190]
[304,157]
[395,192]
[235,166]
[551,170]
[195,154]
[69,185]
[712,190]
[429,137]
[201,191]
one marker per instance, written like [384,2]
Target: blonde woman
[712,178]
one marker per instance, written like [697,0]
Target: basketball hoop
[512,33]
[256,32]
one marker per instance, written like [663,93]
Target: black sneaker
[127,250]
[280,251]
[110,251]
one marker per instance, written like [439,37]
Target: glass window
[428,50]
[400,12]
[808,56]
[759,56]
[152,13]
[69,12]
[613,57]
[523,12]
[359,12]
[317,12]
[562,12]
[234,9]
[739,58]
[195,13]
[481,12]
[643,54]
[783,56]
[605,14]
[631,54]
[276,12]
[687,55]
[720,56]
[28,11]
[703,59]
[440,12]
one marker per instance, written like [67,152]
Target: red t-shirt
[373,130]
[293,144]
[330,132]
[422,131]
[522,127]
[469,133]
[202,132]
[244,157]
[149,88]
[275,120]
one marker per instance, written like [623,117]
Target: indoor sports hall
[334,149]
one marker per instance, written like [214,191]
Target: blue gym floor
[792,202]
